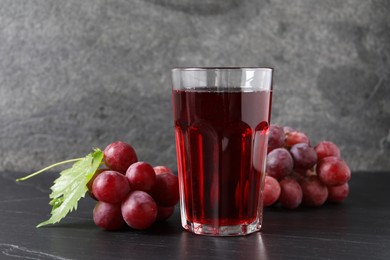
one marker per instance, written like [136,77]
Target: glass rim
[221,68]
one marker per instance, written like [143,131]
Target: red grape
[118,156]
[141,176]
[164,213]
[271,191]
[108,216]
[333,171]
[291,193]
[139,210]
[89,184]
[338,193]
[162,169]
[295,137]
[304,156]
[326,149]
[110,187]
[166,190]
[279,163]
[275,137]
[314,192]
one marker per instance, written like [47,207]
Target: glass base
[238,230]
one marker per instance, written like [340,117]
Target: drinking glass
[221,117]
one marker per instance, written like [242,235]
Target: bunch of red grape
[299,174]
[131,192]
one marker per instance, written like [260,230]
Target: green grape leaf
[71,186]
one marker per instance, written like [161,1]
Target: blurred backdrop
[75,75]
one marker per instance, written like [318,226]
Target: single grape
[163,213]
[271,191]
[162,169]
[141,176]
[279,163]
[333,171]
[295,137]
[89,184]
[110,187]
[338,193]
[290,194]
[108,216]
[166,190]
[326,149]
[118,156]
[303,155]
[314,192]
[275,137]
[139,210]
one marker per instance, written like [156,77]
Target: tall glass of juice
[222,116]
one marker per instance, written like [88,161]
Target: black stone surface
[359,228]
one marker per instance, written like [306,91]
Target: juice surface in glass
[221,136]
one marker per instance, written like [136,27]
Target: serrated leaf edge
[78,190]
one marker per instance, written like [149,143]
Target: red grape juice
[221,142]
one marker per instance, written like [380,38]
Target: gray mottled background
[80,74]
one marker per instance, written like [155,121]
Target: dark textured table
[359,228]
